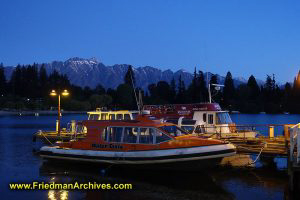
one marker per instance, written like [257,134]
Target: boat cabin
[125,134]
[101,114]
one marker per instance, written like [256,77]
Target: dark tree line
[29,87]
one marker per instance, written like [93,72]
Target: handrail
[295,140]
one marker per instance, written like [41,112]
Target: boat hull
[196,157]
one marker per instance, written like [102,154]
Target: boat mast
[139,101]
[208,86]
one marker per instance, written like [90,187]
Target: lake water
[18,163]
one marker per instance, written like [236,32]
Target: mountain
[91,72]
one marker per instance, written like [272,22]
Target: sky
[246,37]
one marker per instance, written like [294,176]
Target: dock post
[271,131]
[56,126]
[289,167]
[73,126]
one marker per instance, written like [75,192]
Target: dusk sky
[245,37]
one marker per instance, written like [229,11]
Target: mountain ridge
[91,72]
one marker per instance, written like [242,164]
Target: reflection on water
[58,194]
[147,184]
[19,164]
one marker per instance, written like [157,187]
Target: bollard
[73,126]
[271,131]
[57,126]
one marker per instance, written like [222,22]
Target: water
[18,163]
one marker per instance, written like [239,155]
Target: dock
[270,145]
[286,145]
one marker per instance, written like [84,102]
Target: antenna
[208,87]
[136,99]
[217,88]
[140,103]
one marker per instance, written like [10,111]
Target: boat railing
[295,143]
[266,130]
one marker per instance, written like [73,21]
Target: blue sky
[246,37]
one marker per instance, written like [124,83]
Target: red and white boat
[201,118]
[140,142]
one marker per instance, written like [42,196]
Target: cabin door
[210,123]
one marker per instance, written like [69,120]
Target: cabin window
[189,129]
[210,119]
[146,136]
[126,117]
[223,118]
[200,129]
[103,116]
[161,137]
[105,134]
[93,117]
[119,116]
[114,134]
[173,130]
[112,117]
[130,135]
[204,117]
[188,121]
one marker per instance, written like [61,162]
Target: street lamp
[54,93]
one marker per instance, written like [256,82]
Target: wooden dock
[287,146]
[276,146]
[265,145]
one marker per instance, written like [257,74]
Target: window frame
[212,117]
[106,138]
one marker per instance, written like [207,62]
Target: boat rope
[258,156]
[112,164]
[46,138]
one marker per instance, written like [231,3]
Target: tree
[172,91]
[193,91]
[3,85]
[181,95]
[129,77]
[202,87]
[253,88]
[125,96]
[98,101]
[228,91]
[43,81]
[100,89]
[16,81]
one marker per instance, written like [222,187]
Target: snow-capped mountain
[91,72]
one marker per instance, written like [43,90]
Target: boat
[143,142]
[206,119]
[70,131]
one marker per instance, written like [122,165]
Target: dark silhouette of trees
[181,94]
[129,77]
[3,86]
[228,92]
[29,87]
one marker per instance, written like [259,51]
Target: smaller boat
[143,142]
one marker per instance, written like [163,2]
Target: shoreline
[39,112]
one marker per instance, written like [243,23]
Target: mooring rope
[259,154]
[46,138]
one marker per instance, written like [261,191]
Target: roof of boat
[193,107]
[141,121]
[99,111]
